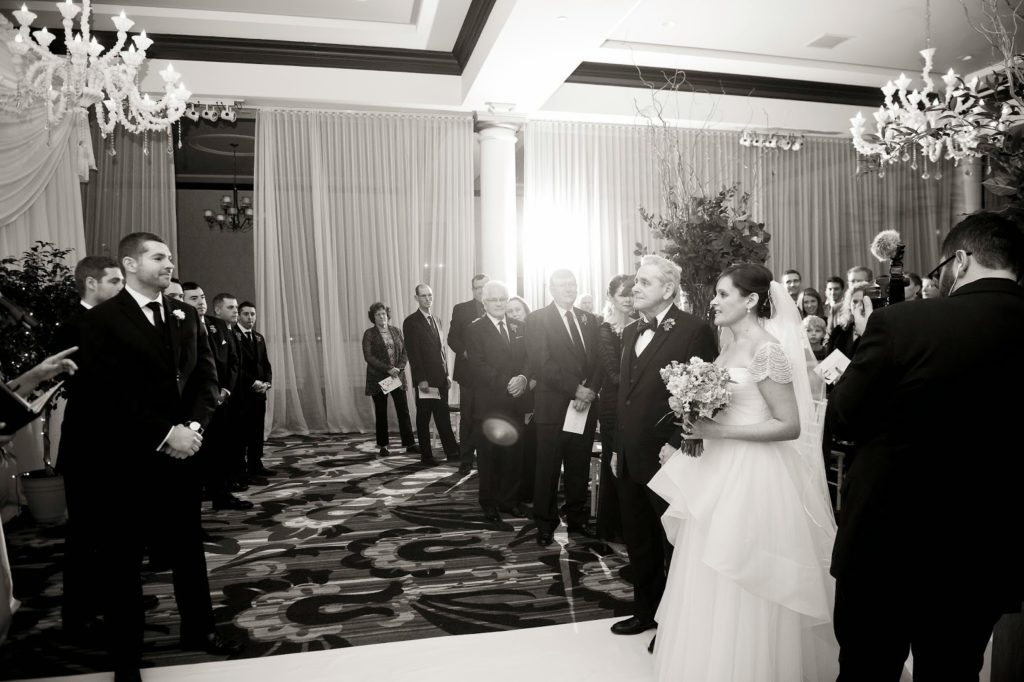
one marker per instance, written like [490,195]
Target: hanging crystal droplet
[913,166]
[968,172]
[925,175]
[938,175]
[881,174]
[906,157]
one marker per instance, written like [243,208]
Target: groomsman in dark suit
[928,552]
[644,437]
[429,363]
[561,341]
[151,385]
[462,315]
[496,355]
[254,378]
[98,279]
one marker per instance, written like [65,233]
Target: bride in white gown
[749,597]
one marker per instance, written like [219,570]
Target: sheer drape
[131,191]
[352,209]
[584,183]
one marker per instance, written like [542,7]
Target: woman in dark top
[618,314]
[810,302]
[384,351]
[518,310]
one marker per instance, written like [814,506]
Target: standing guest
[643,436]
[618,313]
[97,279]
[519,310]
[428,361]
[254,377]
[225,309]
[859,274]
[586,303]
[852,320]
[496,355]
[930,288]
[195,297]
[810,302]
[174,290]
[792,280]
[834,289]
[146,361]
[905,579]
[912,290]
[384,352]
[816,331]
[462,315]
[561,344]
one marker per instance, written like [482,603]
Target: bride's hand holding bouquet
[698,390]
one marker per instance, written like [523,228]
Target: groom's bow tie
[645,325]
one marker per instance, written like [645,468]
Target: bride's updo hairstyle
[752,278]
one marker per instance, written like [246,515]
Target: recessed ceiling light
[668,24]
[563,18]
[828,41]
[966,58]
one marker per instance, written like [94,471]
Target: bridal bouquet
[697,389]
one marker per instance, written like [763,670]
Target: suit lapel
[174,326]
[566,337]
[660,335]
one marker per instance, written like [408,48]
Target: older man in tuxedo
[496,354]
[254,380]
[644,437]
[561,342]
[429,364]
[928,552]
[463,315]
[152,386]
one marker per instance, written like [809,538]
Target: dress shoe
[238,487]
[516,512]
[88,632]
[650,647]
[464,469]
[586,530]
[633,626]
[428,461]
[213,643]
[260,471]
[127,675]
[384,452]
[545,538]
[150,602]
[231,502]
[492,515]
[412,449]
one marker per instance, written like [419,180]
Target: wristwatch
[195,426]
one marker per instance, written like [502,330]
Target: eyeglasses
[495,300]
[934,274]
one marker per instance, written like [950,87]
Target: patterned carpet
[341,549]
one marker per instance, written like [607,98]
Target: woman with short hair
[384,352]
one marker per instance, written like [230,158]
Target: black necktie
[248,339]
[158,322]
[504,334]
[573,332]
[433,327]
[644,325]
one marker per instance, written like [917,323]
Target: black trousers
[878,622]
[500,468]
[251,417]
[438,409]
[609,514]
[529,469]
[649,551]
[166,516]
[380,412]
[556,450]
[82,569]
[218,455]
[466,432]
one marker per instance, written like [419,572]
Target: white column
[499,247]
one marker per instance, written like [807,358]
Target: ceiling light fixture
[233,215]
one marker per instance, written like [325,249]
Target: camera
[891,288]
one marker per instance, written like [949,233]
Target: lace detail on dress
[770,362]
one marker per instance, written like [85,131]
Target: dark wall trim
[192,184]
[626,76]
[472,27]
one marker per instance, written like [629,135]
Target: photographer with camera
[927,555]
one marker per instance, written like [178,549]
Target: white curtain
[584,184]
[352,209]
[132,190]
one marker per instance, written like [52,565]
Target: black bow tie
[644,325]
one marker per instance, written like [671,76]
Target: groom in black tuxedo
[928,552]
[644,435]
[152,386]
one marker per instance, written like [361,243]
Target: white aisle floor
[560,653]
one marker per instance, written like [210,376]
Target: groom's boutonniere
[180,314]
[582,319]
[668,324]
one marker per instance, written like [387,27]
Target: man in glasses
[927,554]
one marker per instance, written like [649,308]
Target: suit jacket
[68,334]
[463,315]
[426,352]
[254,364]
[610,355]
[492,364]
[378,362]
[642,427]
[137,387]
[932,400]
[560,368]
[225,351]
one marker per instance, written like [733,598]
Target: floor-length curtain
[352,209]
[584,184]
[132,190]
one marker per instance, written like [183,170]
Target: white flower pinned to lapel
[668,324]
[582,319]
[180,314]
[212,328]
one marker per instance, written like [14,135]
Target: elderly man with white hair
[562,345]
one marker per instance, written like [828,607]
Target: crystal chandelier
[86,77]
[964,121]
[233,215]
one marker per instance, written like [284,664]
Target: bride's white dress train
[748,597]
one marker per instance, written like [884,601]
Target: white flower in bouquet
[697,389]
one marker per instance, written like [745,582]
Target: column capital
[487,120]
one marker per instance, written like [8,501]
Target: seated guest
[517,310]
[810,302]
[913,290]
[384,352]
[618,313]
[496,355]
[852,319]
[930,288]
